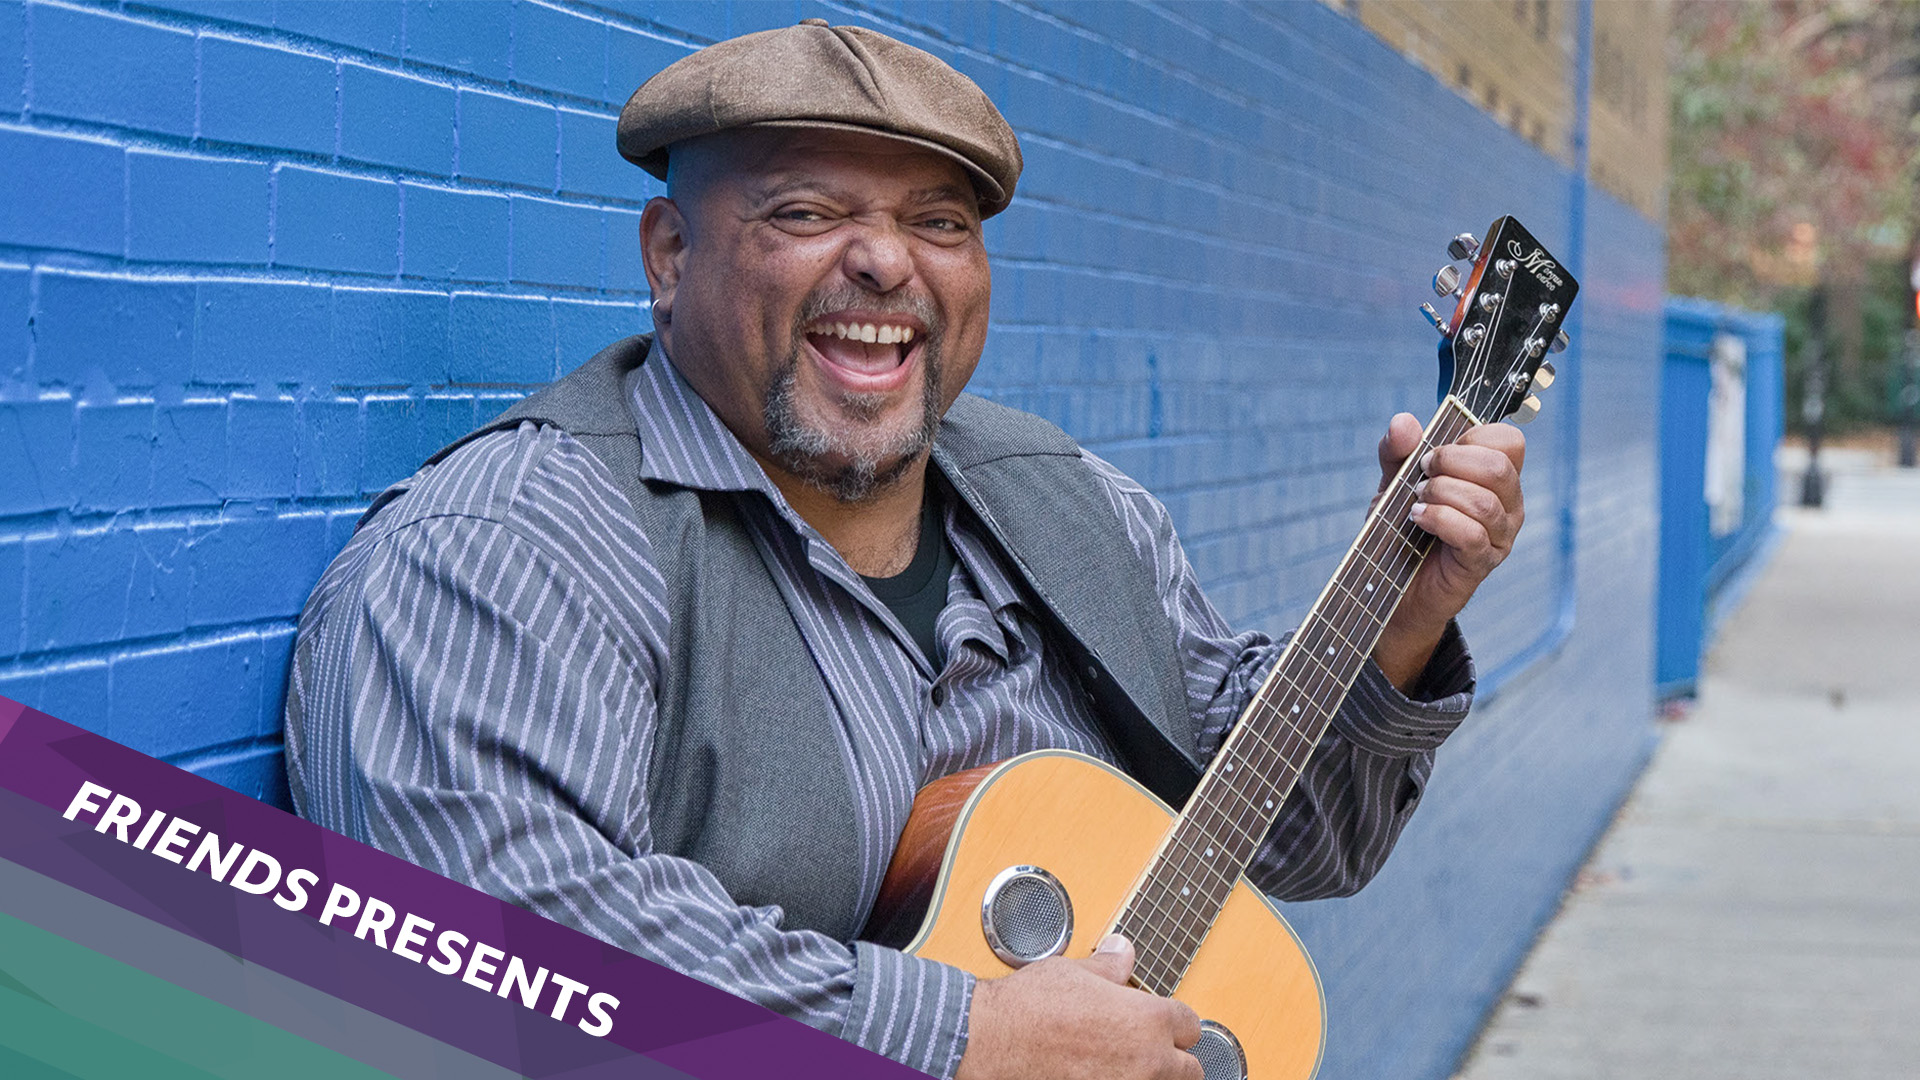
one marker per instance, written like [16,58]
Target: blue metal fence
[1716,501]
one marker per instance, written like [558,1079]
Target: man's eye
[943,224]
[800,213]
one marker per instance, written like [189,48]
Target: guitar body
[1093,828]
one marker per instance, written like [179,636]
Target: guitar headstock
[1493,347]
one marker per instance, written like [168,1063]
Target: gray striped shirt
[473,690]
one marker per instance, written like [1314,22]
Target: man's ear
[663,249]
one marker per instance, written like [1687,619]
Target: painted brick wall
[257,259]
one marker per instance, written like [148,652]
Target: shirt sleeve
[464,699]
[1364,779]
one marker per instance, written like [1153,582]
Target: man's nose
[879,258]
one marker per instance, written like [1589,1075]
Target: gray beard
[805,451]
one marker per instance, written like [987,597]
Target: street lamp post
[1910,400]
[1813,404]
[1910,382]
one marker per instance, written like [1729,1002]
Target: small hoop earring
[653,310]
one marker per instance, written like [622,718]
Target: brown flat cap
[815,75]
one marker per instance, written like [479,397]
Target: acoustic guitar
[1044,854]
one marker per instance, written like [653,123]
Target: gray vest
[748,777]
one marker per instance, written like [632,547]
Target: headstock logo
[1538,264]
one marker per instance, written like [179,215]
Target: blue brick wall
[257,259]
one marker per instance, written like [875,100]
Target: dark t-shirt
[916,595]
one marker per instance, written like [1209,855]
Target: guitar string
[1391,554]
[1342,611]
[1346,611]
[1180,866]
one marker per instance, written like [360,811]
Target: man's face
[826,293]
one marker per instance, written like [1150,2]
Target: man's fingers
[1480,504]
[1112,959]
[1403,434]
[1467,537]
[1506,438]
[1482,466]
[1186,1024]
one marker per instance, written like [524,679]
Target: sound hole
[1026,915]
[1219,1052]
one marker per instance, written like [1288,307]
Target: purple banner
[439,957]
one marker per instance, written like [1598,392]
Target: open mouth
[866,354]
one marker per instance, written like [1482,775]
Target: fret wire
[1190,918]
[1164,942]
[1286,717]
[1261,772]
[1161,903]
[1372,558]
[1213,868]
[1388,560]
[1359,609]
[1164,879]
[1305,737]
[1276,722]
[1229,822]
[1409,545]
[1334,629]
[1150,940]
[1332,677]
[1188,880]
[1296,740]
[1343,614]
[1159,939]
[1355,602]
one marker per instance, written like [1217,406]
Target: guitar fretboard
[1238,799]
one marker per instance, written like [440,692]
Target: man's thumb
[1112,959]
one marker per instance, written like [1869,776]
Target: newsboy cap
[818,76]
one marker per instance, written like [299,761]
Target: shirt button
[939,696]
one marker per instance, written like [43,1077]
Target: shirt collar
[682,440]
[977,552]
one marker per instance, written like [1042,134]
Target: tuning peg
[1463,246]
[1528,409]
[1543,377]
[1560,341]
[1434,317]
[1446,280]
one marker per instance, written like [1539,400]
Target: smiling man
[666,651]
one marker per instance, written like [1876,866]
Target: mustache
[842,297]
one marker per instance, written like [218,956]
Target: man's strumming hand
[1078,1020]
[1471,503]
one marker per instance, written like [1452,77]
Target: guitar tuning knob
[1560,341]
[1528,409]
[1446,281]
[1463,246]
[1433,317]
[1543,377]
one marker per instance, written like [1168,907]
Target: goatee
[846,462]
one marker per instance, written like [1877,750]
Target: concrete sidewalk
[1755,910]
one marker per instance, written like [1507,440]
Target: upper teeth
[872,332]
